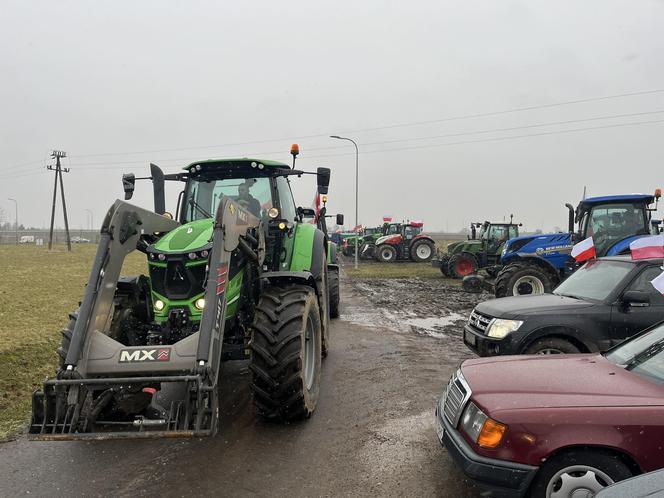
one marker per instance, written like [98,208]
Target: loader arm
[94,374]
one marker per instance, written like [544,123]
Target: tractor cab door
[287,212]
[497,236]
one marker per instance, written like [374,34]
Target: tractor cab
[614,221]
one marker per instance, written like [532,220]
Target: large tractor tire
[286,353]
[462,264]
[519,279]
[386,253]
[444,265]
[422,251]
[333,277]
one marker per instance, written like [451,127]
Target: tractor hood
[463,245]
[539,245]
[185,238]
[389,239]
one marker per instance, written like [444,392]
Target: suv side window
[642,283]
[286,202]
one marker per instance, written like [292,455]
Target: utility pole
[57,154]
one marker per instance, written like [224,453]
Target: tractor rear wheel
[422,251]
[386,253]
[519,279]
[333,276]
[286,353]
[463,264]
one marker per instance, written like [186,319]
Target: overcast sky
[114,77]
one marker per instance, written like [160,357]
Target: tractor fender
[622,246]
[532,260]
[566,332]
[309,250]
[289,278]
[332,256]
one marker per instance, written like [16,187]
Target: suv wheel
[552,345]
[578,473]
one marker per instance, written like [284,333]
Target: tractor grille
[478,321]
[177,281]
[455,397]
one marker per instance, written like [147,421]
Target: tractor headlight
[159,305]
[499,328]
[200,303]
[273,213]
[482,429]
[161,257]
[192,255]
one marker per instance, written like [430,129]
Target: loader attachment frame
[98,370]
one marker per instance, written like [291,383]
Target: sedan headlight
[482,429]
[499,328]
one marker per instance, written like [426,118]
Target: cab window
[287,204]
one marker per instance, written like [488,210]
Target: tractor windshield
[608,224]
[203,196]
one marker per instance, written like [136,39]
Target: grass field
[38,288]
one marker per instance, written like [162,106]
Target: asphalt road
[372,433]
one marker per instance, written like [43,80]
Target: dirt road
[372,434]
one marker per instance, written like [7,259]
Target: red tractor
[404,241]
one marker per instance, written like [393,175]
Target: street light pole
[357,156]
[90,221]
[16,217]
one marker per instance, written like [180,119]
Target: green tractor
[480,251]
[367,238]
[239,275]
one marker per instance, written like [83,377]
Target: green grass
[392,270]
[38,288]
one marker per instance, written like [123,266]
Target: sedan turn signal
[491,434]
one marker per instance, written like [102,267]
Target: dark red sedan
[558,425]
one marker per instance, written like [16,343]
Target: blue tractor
[536,264]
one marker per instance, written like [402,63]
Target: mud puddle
[412,305]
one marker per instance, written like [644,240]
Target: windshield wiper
[195,204]
[656,348]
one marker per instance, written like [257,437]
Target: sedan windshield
[643,355]
[595,280]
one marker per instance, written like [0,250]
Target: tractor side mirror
[340,219]
[128,184]
[323,179]
[635,298]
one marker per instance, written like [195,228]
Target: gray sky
[115,77]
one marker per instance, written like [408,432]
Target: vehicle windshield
[595,280]
[608,224]
[643,355]
[203,196]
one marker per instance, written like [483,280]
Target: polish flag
[658,283]
[584,250]
[387,219]
[648,247]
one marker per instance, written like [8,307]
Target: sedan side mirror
[128,183]
[340,219]
[635,298]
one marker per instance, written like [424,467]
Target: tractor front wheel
[386,253]
[462,265]
[286,353]
[521,279]
[422,251]
[444,265]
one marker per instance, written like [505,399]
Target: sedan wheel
[577,481]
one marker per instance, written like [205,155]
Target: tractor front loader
[238,277]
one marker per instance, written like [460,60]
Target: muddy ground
[395,346]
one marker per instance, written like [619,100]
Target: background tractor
[238,276]
[481,251]
[402,241]
[536,264]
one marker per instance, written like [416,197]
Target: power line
[431,137]
[385,127]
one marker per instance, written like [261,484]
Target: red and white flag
[584,250]
[648,247]
[358,228]
[387,219]
[658,283]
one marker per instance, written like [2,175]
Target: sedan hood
[556,381]
[516,306]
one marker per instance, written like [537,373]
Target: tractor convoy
[237,274]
